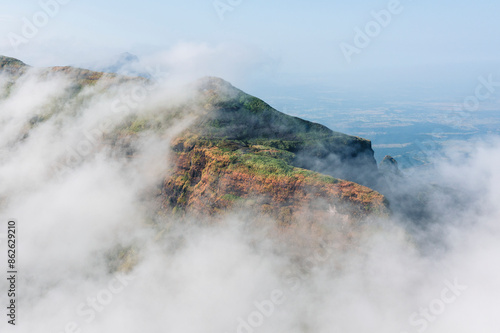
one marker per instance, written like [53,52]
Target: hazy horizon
[442,47]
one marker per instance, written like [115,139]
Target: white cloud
[204,278]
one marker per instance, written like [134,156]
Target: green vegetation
[231,197]
[265,165]
[253,104]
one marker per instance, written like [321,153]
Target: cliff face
[212,176]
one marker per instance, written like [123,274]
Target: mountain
[236,152]
[389,165]
[80,77]
[12,67]
[125,63]
[121,62]
[242,150]
[238,116]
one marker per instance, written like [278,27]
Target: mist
[95,255]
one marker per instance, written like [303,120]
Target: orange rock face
[210,180]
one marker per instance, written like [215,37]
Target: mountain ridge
[241,152]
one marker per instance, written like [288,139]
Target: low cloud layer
[94,257]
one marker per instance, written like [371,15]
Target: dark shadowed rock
[389,165]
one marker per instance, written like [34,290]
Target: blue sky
[435,42]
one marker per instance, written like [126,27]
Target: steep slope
[234,115]
[212,176]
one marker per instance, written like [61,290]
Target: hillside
[235,115]
[240,152]
[212,176]
[237,152]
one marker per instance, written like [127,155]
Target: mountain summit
[236,115]
[12,66]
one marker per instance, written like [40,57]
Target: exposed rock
[389,165]
[211,178]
